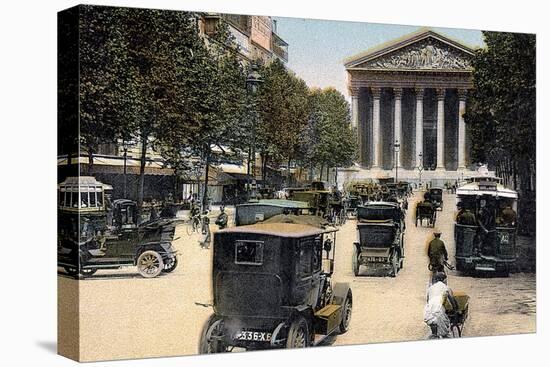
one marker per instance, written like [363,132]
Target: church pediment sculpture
[427,54]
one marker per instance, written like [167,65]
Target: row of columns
[419,92]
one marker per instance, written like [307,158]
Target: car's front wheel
[346,313]
[150,264]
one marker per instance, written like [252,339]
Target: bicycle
[194,224]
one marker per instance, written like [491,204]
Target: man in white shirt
[434,312]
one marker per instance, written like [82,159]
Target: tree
[131,64]
[328,140]
[502,109]
[283,109]
[207,124]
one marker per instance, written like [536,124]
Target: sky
[317,48]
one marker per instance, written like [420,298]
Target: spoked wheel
[298,334]
[192,227]
[346,313]
[355,261]
[88,272]
[170,264]
[212,337]
[150,264]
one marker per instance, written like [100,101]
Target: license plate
[256,336]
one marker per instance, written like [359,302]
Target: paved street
[126,316]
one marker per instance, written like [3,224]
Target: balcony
[279,47]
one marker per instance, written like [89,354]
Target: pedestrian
[205,231]
[437,253]
[222,219]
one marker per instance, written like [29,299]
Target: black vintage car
[95,234]
[435,195]
[273,289]
[381,229]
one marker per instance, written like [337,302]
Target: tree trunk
[143,157]
[206,173]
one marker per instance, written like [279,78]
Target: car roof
[385,204]
[293,204]
[289,230]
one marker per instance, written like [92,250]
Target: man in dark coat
[437,253]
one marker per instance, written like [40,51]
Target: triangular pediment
[424,51]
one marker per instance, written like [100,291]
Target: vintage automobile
[273,288]
[317,200]
[490,249]
[380,232]
[436,197]
[261,210]
[94,234]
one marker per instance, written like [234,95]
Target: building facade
[408,99]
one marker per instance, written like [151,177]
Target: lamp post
[420,169]
[396,147]
[253,82]
[125,168]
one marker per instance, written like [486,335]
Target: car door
[303,271]
[308,271]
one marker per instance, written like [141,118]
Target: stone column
[375,127]
[397,94]
[419,141]
[461,129]
[440,129]
[356,124]
[354,107]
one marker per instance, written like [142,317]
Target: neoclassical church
[408,97]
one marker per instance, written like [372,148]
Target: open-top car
[273,288]
[93,236]
[380,230]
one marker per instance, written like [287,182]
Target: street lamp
[396,147]
[420,169]
[253,82]
[125,145]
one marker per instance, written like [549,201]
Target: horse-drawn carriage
[380,227]
[425,211]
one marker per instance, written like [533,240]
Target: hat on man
[437,231]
